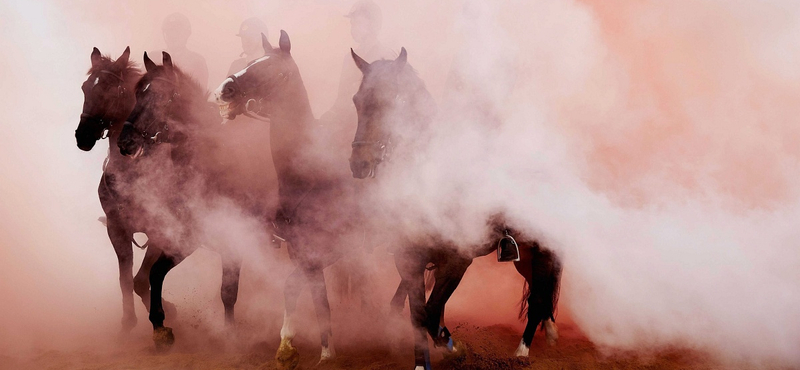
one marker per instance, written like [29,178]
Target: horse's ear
[284,43]
[166,60]
[360,62]
[268,49]
[96,57]
[148,63]
[123,59]
[402,58]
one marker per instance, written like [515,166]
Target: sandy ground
[489,347]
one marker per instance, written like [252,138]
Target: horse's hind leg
[319,294]
[541,269]
[552,283]
[229,291]
[162,336]
[121,240]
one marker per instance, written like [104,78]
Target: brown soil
[489,347]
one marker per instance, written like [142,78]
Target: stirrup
[507,249]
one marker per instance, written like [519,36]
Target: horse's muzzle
[362,169]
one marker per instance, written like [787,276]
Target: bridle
[163,134]
[253,107]
[103,122]
[383,146]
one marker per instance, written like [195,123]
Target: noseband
[249,103]
[385,148]
[253,108]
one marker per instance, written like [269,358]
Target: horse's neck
[291,142]
[115,158]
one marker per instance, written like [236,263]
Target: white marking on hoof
[287,331]
[551,331]
[419,368]
[328,353]
[522,350]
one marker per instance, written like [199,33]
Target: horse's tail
[542,289]
[523,303]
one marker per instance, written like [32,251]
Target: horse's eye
[227,90]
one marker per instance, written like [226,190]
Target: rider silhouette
[341,119]
[340,122]
[176,29]
[250,34]
[244,143]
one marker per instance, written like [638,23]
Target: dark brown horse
[316,204]
[173,181]
[394,107]
[108,99]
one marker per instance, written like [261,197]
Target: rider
[176,29]
[341,119]
[340,122]
[250,34]
[244,144]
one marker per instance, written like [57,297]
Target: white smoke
[652,145]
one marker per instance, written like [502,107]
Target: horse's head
[156,100]
[251,90]
[106,97]
[380,100]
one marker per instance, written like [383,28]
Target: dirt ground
[489,347]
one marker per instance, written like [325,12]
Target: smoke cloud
[652,145]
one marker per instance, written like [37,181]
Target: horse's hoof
[287,357]
[551,332]
[128,323]
[163,338]
[522,350]
[459,350]
[328,354]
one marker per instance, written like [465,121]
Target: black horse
[108,99]
[317,205]
[171,108]
[392,93]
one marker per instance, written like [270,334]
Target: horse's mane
[128,72]
[421,102]
[192,98]
[189,87]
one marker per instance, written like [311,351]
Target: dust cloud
[652,145]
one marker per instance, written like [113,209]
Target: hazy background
[653,145]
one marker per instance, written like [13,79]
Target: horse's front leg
[287,356]
[162,336]
[229,291]
[399,298]
[120,239]
[411,267]
[448,277]
[319,294]
[141,282]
